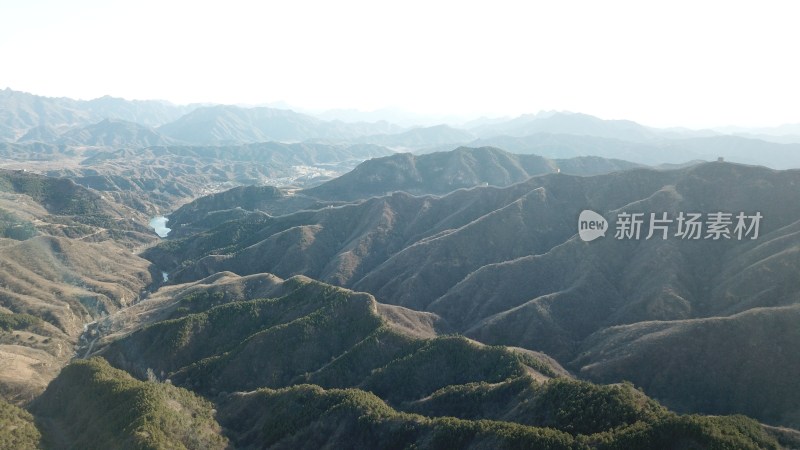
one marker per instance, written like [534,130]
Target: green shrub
[92,405]
[17,429]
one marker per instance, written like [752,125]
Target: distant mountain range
[111,133]
[419,138]
[116,123]
[231,124]
[785,134]
[569,123]
[20,112]
[672,151]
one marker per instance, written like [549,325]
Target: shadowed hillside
[435,173]
[440,173]
[399,388]
[748,362]
[312,332]
[310,417]
[505,267]
[91,405]
[347,244]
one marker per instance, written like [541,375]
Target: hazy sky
[663,63]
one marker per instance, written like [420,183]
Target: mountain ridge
[505,266]
[230,124]
[461,389]
[22,111]
[427,174]
[113,133]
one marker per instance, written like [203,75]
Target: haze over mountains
[28,118]
[21,111]
[366,284]
[231,124]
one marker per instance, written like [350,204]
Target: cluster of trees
[12,227]
[93,405]
[18,430]
[310,416]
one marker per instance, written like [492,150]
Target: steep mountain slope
[695,277]
[66,281]
[505,265]
[232,124]
[344,244]
[51,287]
[460,393]
[41,133]
[91,405]
[310,417]
[213,210]
[60,207]
[65,260]
[665,355]
[440,173]
[560,298]
[312,332]
[435,173]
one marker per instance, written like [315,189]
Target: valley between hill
[323,288]
[504,266]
